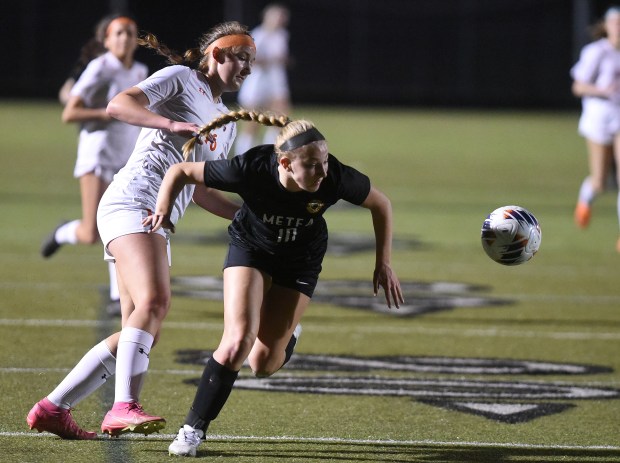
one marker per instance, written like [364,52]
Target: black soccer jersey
[272,218]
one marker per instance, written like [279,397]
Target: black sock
[290,347]
[213,391]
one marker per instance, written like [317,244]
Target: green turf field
[484,363]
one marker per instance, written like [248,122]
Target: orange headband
[235,40]
[120,19]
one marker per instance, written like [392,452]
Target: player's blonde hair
[289,131]
[197,55]
[263,118]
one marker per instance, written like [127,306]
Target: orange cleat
[583,212]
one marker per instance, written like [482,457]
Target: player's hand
[157,221]
[187,130]
[387,279]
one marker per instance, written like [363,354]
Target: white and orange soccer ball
[511,235]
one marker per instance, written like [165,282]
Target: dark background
[456,53]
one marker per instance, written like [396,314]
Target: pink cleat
[45,416]
[130,417]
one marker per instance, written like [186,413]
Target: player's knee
[155,307]
[237,348]
[90,237]
[264,372]
[264,364]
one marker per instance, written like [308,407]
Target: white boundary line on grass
[339,440]
[187,372]
[464,332]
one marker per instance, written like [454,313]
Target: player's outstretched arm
[177,176]
[381,210]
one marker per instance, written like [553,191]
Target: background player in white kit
[267,87]
[104,144]
[171,105]
[89,51]
[596,79]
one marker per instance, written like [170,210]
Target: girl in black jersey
[277,243]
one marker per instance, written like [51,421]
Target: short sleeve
[164,84]
[353,186]
[587,68]
[90,83]
[225,174]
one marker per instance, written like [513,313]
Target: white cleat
[297,332]
[186,443]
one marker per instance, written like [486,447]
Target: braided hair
[268,119]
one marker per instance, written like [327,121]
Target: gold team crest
[315,206]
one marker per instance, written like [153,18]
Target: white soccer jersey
[599,64]
[104,147]
[180,94]
[268,80]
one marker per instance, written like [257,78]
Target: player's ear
[285,162]
[219,55]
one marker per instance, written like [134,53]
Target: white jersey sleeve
[590,58]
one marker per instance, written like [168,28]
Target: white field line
[198,372]
[329,328]
[338,440]
[39,371]
[66,370]
[589,299]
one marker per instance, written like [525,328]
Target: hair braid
[149,40]
[268,119]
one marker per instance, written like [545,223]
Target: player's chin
[313,188]
[236,83]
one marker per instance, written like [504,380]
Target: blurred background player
[267,87]
[89,51]
[104,143]
[596,80]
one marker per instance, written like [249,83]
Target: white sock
[91,372]
[114,293]
[243,142]
[271,133]
[66,233]
[586,192]
[132,362]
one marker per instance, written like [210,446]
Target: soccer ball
[511,235]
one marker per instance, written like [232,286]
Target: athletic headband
[614,10]
[302,139]
[235,40]
[120,19]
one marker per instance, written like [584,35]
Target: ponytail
[267,119]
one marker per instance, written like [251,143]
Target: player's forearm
[215,202]
[381,211]
[584,89]
[83,114]
[382,223]
[174,181]
[127,108]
